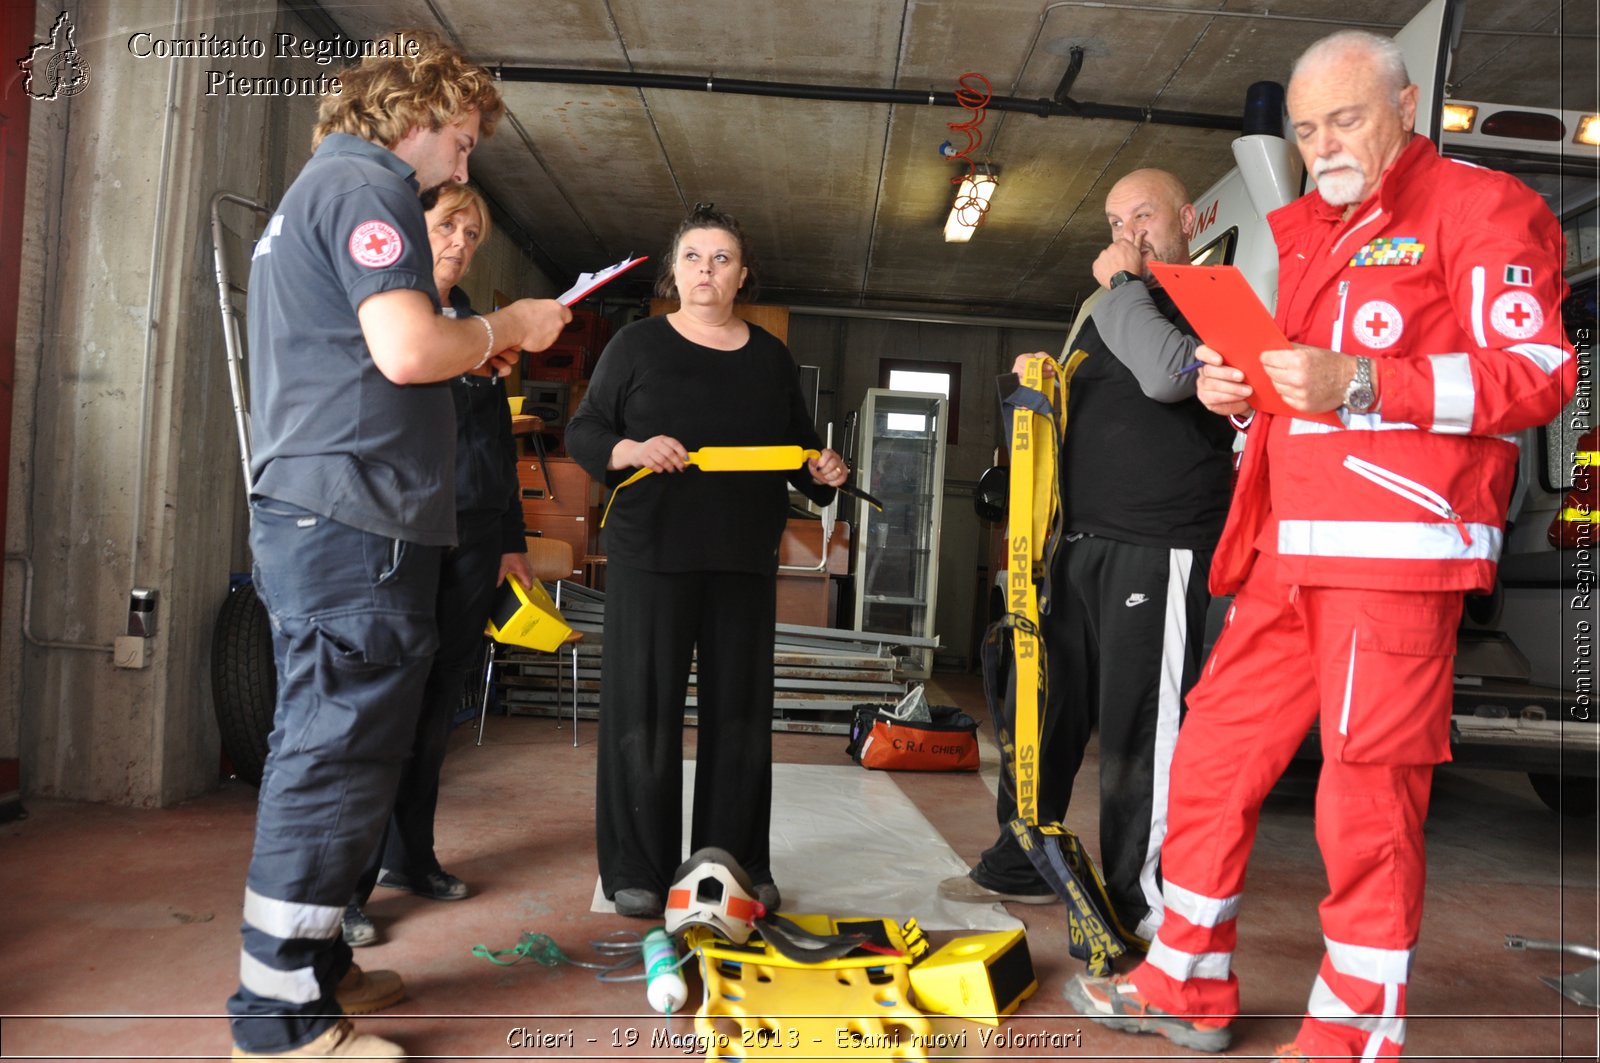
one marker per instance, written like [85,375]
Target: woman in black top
[692,563]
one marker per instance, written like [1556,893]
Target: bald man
[1145,472]
[1424,299]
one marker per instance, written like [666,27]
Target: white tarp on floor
[848,842]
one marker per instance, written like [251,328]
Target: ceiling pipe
[1276,16]
[852,94]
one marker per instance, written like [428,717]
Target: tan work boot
[339,1041]
[360,992]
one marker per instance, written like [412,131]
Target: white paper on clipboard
[590,282]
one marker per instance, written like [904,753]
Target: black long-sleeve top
[486,452]
[1143,461]
[652,381]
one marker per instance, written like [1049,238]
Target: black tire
[1571,795]
[244,681]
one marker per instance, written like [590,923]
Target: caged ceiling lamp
[971,204]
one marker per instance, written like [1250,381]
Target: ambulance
[1525,696]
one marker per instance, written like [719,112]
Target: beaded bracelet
[489,349]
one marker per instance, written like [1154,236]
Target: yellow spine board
[757,1012]
[761,1005]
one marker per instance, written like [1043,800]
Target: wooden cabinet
[562,506]
[807,591]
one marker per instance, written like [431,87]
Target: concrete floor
[119,928]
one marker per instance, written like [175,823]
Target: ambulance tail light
[1524,125]
[1588,130]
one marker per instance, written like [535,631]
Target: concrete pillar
[124,461]
[125,469]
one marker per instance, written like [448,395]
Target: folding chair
[551,561]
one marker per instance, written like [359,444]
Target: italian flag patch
[1521,276]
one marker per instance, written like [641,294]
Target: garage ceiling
[845,201]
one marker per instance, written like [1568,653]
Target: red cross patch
[1517,315]
[1377,324]
[376,244]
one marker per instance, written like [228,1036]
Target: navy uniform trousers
[354,636]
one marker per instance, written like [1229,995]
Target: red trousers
[1373,669]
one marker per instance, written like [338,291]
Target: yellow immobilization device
[526,616]
[761,1004]
[980,978]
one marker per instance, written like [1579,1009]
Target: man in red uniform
[1423,299]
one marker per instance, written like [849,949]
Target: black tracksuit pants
[656,622]
[1124,642]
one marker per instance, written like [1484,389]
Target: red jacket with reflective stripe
[1450,278]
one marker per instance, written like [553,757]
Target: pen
[1186,370]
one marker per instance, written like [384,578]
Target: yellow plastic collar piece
[752,459]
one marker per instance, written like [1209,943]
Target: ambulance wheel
[244,681]
[1570,795]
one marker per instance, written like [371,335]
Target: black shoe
[357,928]
[639,903]
[435,885]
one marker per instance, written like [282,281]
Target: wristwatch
[1121,277]
[1361,396]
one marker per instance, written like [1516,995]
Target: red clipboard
[1222,308]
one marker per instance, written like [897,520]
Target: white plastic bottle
[664,985]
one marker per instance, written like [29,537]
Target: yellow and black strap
[1038,424]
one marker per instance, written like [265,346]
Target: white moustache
[1337,162]
[1340,179]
